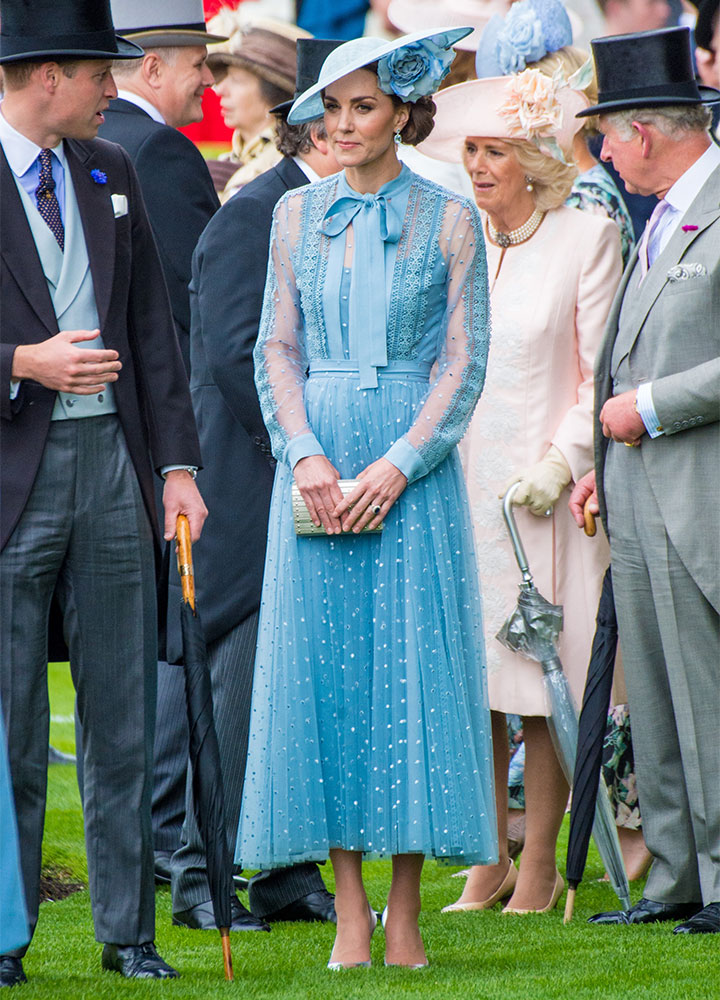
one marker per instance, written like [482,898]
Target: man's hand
[620,420]
[584,488]
[181,496]
[317,478]
[58,364]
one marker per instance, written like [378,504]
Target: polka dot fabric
[47,203]
[370,726]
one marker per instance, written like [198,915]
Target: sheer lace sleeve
[280,356]
[462,349]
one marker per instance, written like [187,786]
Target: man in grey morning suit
[657,466]
[229,268]
[93,399]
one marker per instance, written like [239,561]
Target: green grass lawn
[480,955]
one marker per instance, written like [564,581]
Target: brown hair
[291,140]
[17,74]
[421,113]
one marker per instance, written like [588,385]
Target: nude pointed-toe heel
[556,894]
[504,890]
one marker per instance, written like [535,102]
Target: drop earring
[398,138]
[529,184]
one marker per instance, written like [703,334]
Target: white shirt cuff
[646,409]
[14,387]
[173,468]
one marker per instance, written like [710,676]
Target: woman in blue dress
[369,731]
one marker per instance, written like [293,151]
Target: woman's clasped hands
[379,486]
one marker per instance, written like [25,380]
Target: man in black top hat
[93,400]
[657,442]
[229,268]
[157,95]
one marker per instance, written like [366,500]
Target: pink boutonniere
[689,229]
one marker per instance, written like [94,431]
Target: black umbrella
[204,751]
[591,731]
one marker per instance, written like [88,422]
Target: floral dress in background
[595,191]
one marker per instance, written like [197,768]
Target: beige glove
[541,484]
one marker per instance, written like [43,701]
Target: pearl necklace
[518,235]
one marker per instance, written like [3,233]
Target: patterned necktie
[648,248]
[47,203]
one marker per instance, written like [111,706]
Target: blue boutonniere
[98,176]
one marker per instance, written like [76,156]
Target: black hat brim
[283,108]
[708,95]
[125,50]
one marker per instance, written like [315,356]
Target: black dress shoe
[647,911]
[202,918]
[11,971]
[318,905]
[137,961]
[707,921]
[162,867]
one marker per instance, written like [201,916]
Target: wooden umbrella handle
[184,560]
[569,905]
[590,526]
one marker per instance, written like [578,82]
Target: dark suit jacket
[152,393]
[179,197]
[226,293]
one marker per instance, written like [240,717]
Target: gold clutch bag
[301,516]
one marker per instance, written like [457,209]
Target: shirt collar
[311,174]
[143,104]
[683,192]
[20,151]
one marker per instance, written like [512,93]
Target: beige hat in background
[426,15]
[265,47]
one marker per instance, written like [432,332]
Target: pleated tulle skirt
[370,725]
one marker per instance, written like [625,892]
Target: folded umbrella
[587,779]
[204,751]
[532,630]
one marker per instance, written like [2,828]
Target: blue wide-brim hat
[359,52]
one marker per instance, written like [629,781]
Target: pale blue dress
[14,932]
[370,727]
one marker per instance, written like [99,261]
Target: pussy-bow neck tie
[368,319]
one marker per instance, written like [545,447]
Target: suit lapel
[98,222]
[702,213]
[19,251]
[290,173]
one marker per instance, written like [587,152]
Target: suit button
[100,398]
[71,402]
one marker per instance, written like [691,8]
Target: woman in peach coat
[553,272]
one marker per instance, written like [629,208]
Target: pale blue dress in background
[370,725]
[14,932]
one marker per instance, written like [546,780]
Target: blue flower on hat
[521,39]
[98,176]
[414,70]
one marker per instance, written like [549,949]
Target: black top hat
[46,29]
[704,28]
[311,54]
[651,69]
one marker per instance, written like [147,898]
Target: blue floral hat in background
[412,67]
[529,31]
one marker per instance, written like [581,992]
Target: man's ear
[319,141]
[646,138]
[152,67]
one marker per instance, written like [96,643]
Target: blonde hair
[551,179]
[570,59]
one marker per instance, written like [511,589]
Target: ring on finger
[376,509]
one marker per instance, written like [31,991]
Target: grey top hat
[49,29]
[163,22]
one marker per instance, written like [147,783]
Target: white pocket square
[119,204]
[681,272]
